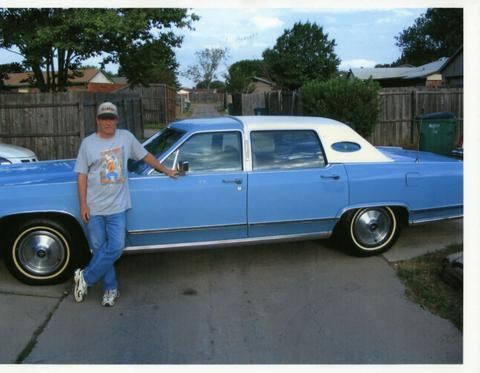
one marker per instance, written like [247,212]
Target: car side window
[209,152]
[286,150]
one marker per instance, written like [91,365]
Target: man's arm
[152,161]
[82,195]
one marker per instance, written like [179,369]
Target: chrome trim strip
[189,229]
[436,208]
[422,221]
[227,243]
[309,221]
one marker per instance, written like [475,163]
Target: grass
[153,126]
[424,285]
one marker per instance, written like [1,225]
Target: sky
[364,37]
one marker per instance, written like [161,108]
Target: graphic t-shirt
[105,162]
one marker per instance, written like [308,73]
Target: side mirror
[183,166]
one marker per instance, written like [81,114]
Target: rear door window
[286,150]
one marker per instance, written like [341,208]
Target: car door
[208,203]
[291,188]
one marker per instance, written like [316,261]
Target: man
[104,198]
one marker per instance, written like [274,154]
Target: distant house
[427,75]
[452,70]
[262,85]
[90,79]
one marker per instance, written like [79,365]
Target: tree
[209,60]
[215,84]
[351,101]
[54,42]
[153,62]
[239,76]
[435,34]
[9,68]
[301,54]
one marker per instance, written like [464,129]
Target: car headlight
[4,161]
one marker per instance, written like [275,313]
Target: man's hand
[171,173]
[82,196]
[85,213]
[152,161]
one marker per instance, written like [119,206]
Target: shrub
[352,101]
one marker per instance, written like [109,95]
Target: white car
[15,154]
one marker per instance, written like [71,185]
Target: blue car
[244,180]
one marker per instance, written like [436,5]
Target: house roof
[120,79]
[263,80]
[378,73]
[452,58]
[20,79]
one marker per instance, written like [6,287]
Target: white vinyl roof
[329,131]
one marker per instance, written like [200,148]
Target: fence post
[81,119]
[413,110]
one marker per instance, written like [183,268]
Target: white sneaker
[109,297]
[81,288]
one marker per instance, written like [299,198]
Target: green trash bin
[437,132]
[260,111]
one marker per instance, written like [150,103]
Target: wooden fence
[274,103]
[399,106]
[53,124]
[159,101]
[202,97]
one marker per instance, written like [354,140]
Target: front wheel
[42,251]
[371,230]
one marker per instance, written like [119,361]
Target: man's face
[107,125]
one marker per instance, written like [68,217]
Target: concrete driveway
[204,111]
[286,303]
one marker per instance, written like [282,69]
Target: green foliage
[153,62]
[437,33]
[56,41]
[238,78]
[8,68]
[216,84]
[301,54]
[351,101]
[209,60]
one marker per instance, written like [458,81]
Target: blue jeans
[107,236]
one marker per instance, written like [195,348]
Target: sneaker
[81,287]
[109,297]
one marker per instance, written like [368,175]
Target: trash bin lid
[439,115]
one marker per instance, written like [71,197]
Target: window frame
[288,130]
[191,134]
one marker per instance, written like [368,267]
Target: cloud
[356,63]
[266,22]
[397,16]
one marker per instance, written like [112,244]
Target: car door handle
[233,181]
[334,177]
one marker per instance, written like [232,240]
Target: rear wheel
[42,251]
[371,230]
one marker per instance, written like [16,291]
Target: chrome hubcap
[372,227]
[41,252]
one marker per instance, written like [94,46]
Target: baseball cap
[107,109]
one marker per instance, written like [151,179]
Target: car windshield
[157,146]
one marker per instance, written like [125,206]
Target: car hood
[38,172]
[13,151]
[403,155]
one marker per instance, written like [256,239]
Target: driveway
[204,111]
[287,303]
